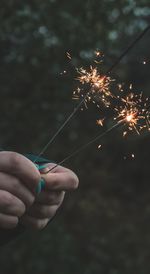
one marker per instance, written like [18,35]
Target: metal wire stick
[81,148]
[125,52]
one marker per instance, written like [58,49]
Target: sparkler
[133,114]
[99,86]
[81,148]
[134,110]
[101,80]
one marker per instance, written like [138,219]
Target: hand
[49,200]
[18,181]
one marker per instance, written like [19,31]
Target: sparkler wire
[83,147]
[134,42]
[125,52]
[60,128]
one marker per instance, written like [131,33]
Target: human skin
[50,199]
[19,201]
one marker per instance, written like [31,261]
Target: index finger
[60,178]
[18,165]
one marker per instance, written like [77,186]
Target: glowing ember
[120,87]
[99,146]
[68,55]
[98,86]
[129,118]
[134,110]
[95,79]
[100,122]
[99,53]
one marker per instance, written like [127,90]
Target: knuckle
[10,203]
[29,201]
[20,210]
[15,183]
[7,199]
[14,159]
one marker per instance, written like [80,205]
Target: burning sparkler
[134,113]
[134,110]
[98,86]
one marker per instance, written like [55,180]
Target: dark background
[104,227]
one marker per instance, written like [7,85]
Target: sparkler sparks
[99,146]
[68,55]
[100,122]
[98,53]
[99,86]
[99,57]
[134,111]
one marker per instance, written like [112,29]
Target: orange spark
[100,122]
[133,110]
[68,55]
[98,85]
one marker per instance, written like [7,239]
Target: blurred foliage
[104,226]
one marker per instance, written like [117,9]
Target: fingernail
[40,186]
[41,167]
